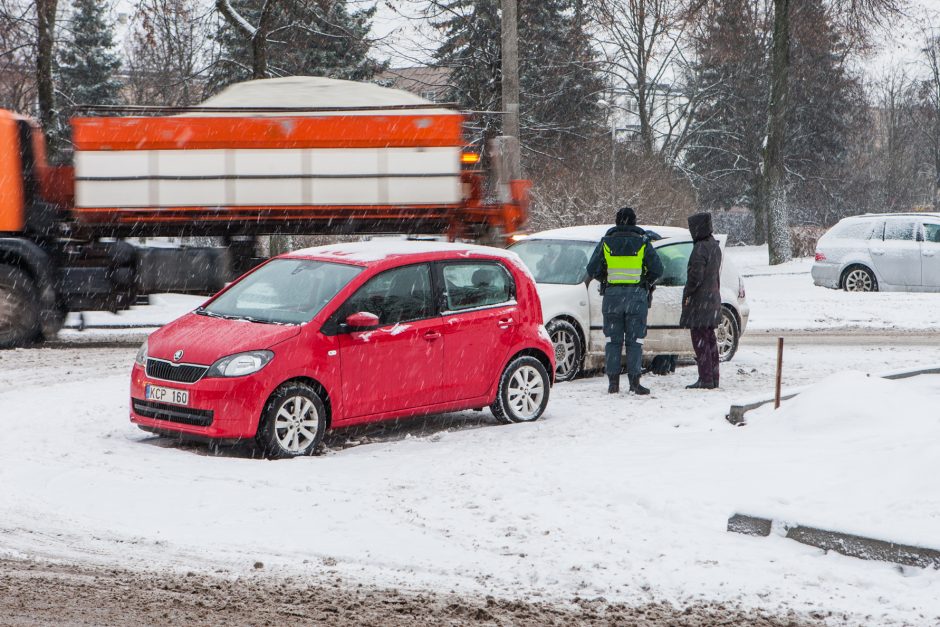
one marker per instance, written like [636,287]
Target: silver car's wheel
[859,279]
[727,334]
[568,350]
[294,421]
[523,391]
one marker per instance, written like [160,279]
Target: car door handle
[877,251]
[430,336]
[505,323]
[929,253]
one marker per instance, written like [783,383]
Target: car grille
[183,373]
[173,413]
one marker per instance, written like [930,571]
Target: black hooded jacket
[701,298]
[625,239]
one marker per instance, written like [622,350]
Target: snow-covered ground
[622,498]
[783,298]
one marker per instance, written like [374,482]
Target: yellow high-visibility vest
[624,269]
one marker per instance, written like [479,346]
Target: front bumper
[218,409]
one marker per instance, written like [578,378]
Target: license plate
[167,395]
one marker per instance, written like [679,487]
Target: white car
[892,252]
[572,313]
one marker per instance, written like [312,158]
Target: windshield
[284,291]
[555,261]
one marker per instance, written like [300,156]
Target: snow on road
[621,498]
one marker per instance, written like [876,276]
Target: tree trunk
[45,14]
[772,201]
[259,55]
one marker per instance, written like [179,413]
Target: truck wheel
[19,311]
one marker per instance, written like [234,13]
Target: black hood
[700,225]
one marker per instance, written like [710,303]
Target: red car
[348,334]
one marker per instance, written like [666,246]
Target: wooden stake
[779,372]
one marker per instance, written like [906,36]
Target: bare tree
[17,51]
[857,16]
[930,101]
[644,43]
[167,53]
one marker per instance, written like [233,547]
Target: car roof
[386,252]
[594,232]
[903,214]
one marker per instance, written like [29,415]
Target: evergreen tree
[558,84]
[87,64]
[311,38]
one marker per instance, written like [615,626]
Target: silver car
[897,252]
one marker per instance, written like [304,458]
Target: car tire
[19,310]
[728,334]
[286,422]
[522,394]
[859,279]
[569,349]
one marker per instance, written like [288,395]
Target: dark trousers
[706,355]
[625,309]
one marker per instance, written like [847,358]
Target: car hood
[204,339]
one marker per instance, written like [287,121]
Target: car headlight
[240,364]
[141,358]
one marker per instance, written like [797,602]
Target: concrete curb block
[844,543]
[736,413]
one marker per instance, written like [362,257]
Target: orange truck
[230,169]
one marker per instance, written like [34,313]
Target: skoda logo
[178,355]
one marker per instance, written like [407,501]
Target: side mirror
[361,320]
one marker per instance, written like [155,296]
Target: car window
[555,261]
[394,296]
[470,285]
[283,291]
[932,232]
[675,258]
[899,230]
[854,229]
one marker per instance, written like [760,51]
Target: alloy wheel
[566,352]
[858,280]
[725,335]
[525,392]
[296,424]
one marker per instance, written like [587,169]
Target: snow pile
[315,92]
[855,453]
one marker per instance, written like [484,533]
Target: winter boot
[635,386]
[695,386]
[613,387]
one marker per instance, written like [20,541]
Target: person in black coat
[701,299]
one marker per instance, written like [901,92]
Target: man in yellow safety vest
[626,264]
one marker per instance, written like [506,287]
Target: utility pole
[510,86]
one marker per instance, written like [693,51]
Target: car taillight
[820,256]
[740,288]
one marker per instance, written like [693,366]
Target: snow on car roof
[594,232]
[374,251]
[317,92]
